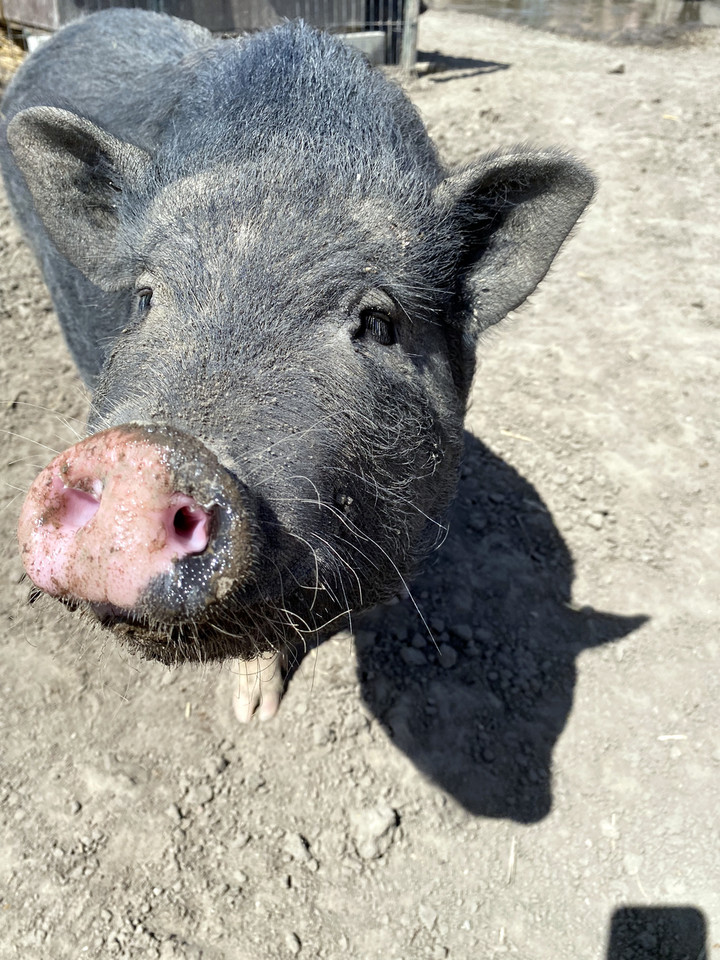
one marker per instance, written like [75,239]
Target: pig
[274,290]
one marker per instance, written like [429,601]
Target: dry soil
[544,783]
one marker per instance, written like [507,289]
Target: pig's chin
[216,639]
[232,630]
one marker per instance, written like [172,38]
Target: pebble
[241,839]
[322,735]
[413,657]
[373,830]
[213,766]
[297,846]
[292,942]
[447,656]
[463,631]
[595,520]
[199,795]
[618,67]
[355,724]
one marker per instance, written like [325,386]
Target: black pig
[275,290]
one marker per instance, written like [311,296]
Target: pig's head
[277,428]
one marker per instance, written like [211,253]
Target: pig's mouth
[238,628]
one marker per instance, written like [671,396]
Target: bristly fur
[274,192]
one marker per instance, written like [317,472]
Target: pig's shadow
[497,598]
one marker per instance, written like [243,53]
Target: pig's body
[275,291]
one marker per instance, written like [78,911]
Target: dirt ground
[546,785]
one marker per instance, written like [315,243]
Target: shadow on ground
[432,64]
[481,715]
[658,933]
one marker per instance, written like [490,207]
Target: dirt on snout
[536,772]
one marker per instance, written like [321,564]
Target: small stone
[255,781]
[595,520]
[463,631]
[418,641]
[75,807]
[199,795]
[297,847]
[413,657]
[241,839]
[213,766]
[322,735]
[447,656]
[373,830]
[292,942]
[437,624]
[355,724]
[618,67]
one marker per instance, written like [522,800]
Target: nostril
[191,528]
[79,507]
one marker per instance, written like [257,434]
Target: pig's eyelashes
[144,296]
[378,326]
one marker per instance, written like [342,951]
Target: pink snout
[105,518]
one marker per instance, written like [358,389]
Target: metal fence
[383,18]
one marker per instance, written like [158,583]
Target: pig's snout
[141,520]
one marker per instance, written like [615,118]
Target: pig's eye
[378,326]
[144,296]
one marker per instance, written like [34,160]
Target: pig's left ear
[83,182]
[512,212]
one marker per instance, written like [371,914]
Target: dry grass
[11,56]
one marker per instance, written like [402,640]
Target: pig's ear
[512,212]
[82,181]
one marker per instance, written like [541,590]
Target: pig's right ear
[82,180]
[510,213]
